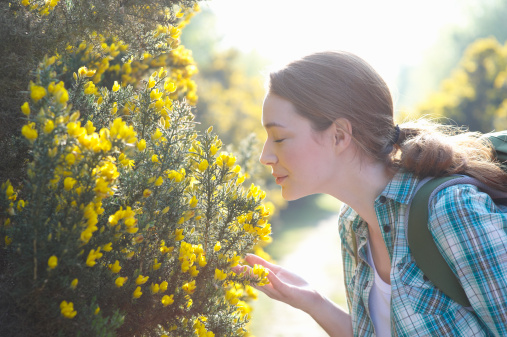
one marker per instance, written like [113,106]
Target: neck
[359,188]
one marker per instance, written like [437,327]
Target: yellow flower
[261,273]
[155,94]
[120,281]
[25,108]
[73,284]
[220,275]
[203,165]
[87,234]
[179,234]
[213,149]
[193,271]
[217,247]
[154,288]
[163,286]
[169,86]
[159,181]
[82,71]
[70,159]
[201,259]
[137,293]
[193,202]
[142,279]
[157,134]
[97,310]
[114,110]
[37,92]
[156,264]
[92,256]
[8,240]
[154,158]
[141,145]
[29,132]
[90,88]
[53,262]
[167,300]
[49,126]
[108,247]
[115,268]
[146,193]
[68,183]
[189,287]
[116,86]
[90,129]
[151,82]
[67,309]
[62,96]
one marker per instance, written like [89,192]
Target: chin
[292,195]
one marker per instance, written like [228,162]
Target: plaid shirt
[470,232]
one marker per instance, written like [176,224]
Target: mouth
[279,180]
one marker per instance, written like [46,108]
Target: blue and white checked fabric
[470,232]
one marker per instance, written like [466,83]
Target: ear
[342,131]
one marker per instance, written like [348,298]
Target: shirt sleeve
[470,232]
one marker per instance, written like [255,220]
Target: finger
[254,259]
[275,282]
[241,269]
[275,289]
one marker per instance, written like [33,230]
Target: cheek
[308,159]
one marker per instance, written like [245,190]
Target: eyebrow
[273,125]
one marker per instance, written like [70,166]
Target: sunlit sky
[387,33]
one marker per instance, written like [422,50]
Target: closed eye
[279,140]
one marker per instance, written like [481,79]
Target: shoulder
[462,206]
[462,198]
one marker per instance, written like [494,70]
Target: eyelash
[279,140]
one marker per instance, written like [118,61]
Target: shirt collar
[401,187]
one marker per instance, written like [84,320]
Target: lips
[279,179]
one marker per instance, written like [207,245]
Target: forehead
[278,112]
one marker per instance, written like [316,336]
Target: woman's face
[301,159]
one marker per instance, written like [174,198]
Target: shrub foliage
[128,219]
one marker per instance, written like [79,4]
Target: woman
[329,120]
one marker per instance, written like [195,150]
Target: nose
[267,156]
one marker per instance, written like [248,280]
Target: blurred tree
[474,94]
[483,19]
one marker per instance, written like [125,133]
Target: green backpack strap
[499,141]
[424,249]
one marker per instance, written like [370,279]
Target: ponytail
[430,149]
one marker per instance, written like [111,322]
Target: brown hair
[329,85]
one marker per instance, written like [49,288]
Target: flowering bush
[129,220]
[474,94]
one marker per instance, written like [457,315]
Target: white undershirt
[379,302]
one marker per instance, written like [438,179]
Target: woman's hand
[290,288]
[284,285]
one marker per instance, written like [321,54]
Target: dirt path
[317,259]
